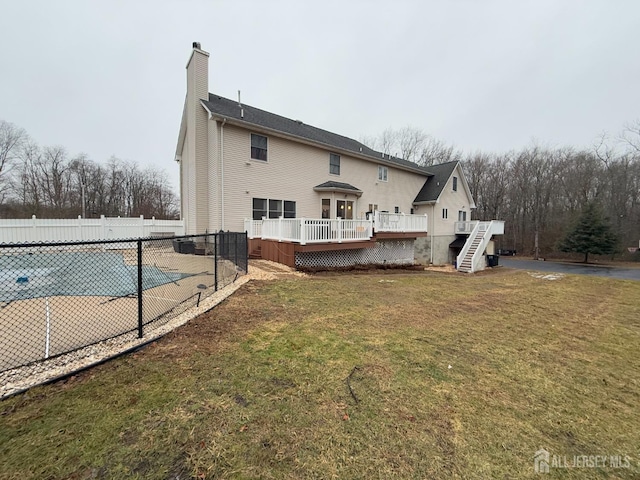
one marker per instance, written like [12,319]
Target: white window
[275,208]
[258,147]
[289,209]
[263,207]
[334,164]
[326,208]
[344,209]
[462,216]
[455,184]
[259,208]
[445,213]
[382,173]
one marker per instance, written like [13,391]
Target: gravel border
[19,379]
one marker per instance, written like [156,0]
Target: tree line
[50,183]
[540,191]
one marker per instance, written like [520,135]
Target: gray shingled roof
[434,185]
[337,185]
[254,116]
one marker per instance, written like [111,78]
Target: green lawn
[452,376]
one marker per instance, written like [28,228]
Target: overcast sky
[108,77]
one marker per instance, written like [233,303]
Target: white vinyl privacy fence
[85,229]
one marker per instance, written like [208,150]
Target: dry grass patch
[451,377]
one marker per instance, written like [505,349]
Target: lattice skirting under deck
[385,252]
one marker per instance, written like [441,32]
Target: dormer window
[334,164]
[258,147]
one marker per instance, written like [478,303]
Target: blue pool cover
[39,275]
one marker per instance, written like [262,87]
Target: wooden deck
[285,252]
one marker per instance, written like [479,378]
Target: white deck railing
[253,228]
[315,230]
[464,227]
[400,222]
[309,230]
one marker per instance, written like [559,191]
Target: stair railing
[467,245]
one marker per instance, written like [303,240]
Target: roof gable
[434,185]
[252,116]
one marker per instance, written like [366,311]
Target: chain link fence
[56,298]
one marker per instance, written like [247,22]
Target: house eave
[182,133]
[357,193]
[270,131]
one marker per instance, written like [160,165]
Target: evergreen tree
[590,234]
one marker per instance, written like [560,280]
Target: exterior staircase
[471,258]
[466,265]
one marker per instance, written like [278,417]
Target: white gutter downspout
[433,226]
[224,120]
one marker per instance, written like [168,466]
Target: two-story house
[307,196]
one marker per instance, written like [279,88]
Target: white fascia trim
[357,193]
[182,133]
[209,111]
[472,203]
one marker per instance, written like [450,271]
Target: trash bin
[188,247]
[492,260]
[184,246]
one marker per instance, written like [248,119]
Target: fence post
[246,254]
[215,260]
[139,288]
[235,245]
[141,226]
[303,231]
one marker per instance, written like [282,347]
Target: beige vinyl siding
[188,192]
[197,143]
[452,201]
[291,172]
[214,178]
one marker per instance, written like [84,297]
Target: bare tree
[413,144]
[630,136]
[11,140]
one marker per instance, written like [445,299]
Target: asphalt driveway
[623,273]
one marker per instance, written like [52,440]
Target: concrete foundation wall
[442,254]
